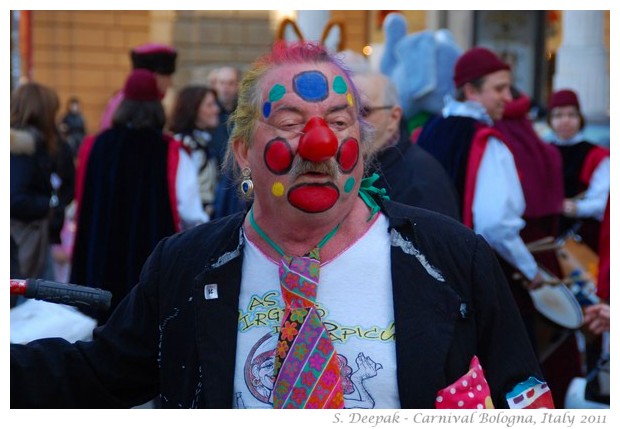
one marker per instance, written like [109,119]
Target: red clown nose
[319,143]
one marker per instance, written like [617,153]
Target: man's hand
[536,282]
[569,208]
[596,318]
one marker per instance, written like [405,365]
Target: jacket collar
[23,142]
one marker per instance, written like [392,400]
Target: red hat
[141,85]
[156,57]
[563,97]
[476,63]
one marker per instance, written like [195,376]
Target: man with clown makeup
[324,294]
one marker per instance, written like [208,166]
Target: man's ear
[396,114]
[470,91]
[240,149]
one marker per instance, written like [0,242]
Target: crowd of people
[211,222]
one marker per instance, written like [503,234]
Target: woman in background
[34,143]
[195,116]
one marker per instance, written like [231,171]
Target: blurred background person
[156,57]
[136,185]
[212,78]
[409,174]
[227,88]
[34,144]
[586,168]
[478,160]
[73,125]
[227,200]
[195,116]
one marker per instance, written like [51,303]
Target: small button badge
[211,291]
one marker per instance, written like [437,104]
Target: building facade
[86,53]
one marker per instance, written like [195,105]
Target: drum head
[558,304]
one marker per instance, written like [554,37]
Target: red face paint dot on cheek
[348,155]
[278,156]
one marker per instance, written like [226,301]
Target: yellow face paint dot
[277,189]
[350,99]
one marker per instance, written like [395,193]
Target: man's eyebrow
[294,109]
[287,108]
[338,108]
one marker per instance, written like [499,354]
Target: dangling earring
[247,186]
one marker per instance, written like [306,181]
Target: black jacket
[31,167]
[412,176]
[166,338]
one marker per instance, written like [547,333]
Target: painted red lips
[313,197]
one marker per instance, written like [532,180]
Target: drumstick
[554,281]
[545,243]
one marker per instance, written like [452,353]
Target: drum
[575,255]
[556,302]
[579,265]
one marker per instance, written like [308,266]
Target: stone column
[461,24]
[311,23]
[582,62]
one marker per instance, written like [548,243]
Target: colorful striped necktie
[306,369]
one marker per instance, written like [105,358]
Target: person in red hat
[135,186]
[156,57]
[479,161]
[586,167]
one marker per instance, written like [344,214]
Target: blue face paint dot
[266,109]
[349,184]
[339,85]
[311,85]
[276,93]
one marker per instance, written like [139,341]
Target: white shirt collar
[568,142]
[470,109]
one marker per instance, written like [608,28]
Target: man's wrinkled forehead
[309,82]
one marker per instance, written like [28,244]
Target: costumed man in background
[156,57]
[408,173]
[318,257]
[478,160]
[136,185]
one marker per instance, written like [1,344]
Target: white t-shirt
[355,301]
